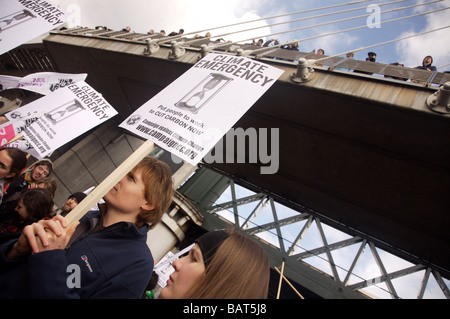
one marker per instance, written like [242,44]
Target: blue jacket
[113,262]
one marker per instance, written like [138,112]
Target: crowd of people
[38,247]
[294,45]
[27,193]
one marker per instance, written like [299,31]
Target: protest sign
[10,129]
[69,112]
[190,115]
[41,82]
[26,111]
[11,134]
[164,267]
[8,82]
[24,20]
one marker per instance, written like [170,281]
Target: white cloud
[332,44]
[436,44]
[170,15]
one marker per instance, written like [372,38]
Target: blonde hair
[157,178]
[238,270]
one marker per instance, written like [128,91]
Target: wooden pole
[289,283]
[108,183]
[15,138]
[281,280]
[97,193]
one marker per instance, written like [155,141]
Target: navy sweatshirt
[113,262]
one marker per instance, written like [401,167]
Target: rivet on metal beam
[152,47]
[177,51]
[303,73]
[440,101]
[205,49]
[242,52]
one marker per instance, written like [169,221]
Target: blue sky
[198,15]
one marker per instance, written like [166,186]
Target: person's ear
[147,206]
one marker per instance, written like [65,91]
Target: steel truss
[284,239]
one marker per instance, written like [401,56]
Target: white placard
[42,82]
[24,20]
[69,112]
[190,115]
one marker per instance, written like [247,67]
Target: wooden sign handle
[108,183]
[15,138]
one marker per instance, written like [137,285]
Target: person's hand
[32,185]
[42,236]
[49,234]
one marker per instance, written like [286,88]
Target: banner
[9,130]
[69,112]
[8,82]
[42,82]
[190,115]
[24,20]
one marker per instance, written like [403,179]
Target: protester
[258,43]
[222,265]
[108,247]
[32,175]
[271,42]
[348,55]
[291,46]
[12,162]
[72,201]
[173,33]
[49,184]
[33,205]
[9,205]
[320,52]
[427,64]
[207,35]
[371,57]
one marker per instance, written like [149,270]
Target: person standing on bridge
[371,57]
[427,64]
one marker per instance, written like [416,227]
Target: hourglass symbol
[14,19]
[203,92]
[64,111]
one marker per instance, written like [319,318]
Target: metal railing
[390,71]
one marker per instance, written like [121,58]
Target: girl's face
[188,271]
[128,196]
[39,172]
[21,209]
[5,165]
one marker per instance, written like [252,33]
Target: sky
[201,15]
